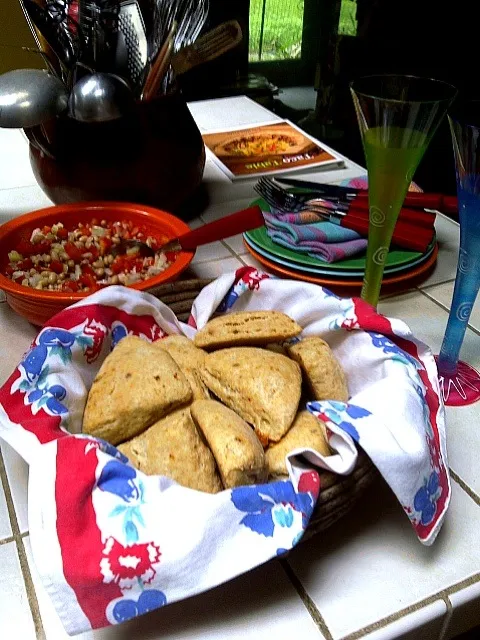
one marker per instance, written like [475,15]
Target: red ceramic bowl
[38,306]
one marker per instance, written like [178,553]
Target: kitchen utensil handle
[449,204]
[420,200]
[404,235]
[231,225]
[159,65]
[417,217]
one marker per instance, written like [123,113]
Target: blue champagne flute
[460,383]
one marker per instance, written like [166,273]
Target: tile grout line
[25,186]
[22,556]
[398,615]
[441,595]
[307,601]
[211,260]
[7,540]
[444,308]
[232,251]
[426,287]
[448,617]
[463,485]
[384,622]
[417,606]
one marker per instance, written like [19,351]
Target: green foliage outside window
[276,28]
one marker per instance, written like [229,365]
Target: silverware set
[340,205]
[106,55]
[283,201]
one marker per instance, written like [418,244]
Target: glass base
[460,388]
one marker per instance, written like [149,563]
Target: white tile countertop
[367,576]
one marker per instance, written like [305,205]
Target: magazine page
[276,147]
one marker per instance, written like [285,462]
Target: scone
[322,371]
[173,447]
[263,387]
[189,358]
[235,447]
[246,328]
[276,347]
[136,385]
[308,432]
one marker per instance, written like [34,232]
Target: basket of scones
[166,457]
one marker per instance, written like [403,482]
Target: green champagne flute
[397,116]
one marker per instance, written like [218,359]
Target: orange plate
[344,283]
[38,306]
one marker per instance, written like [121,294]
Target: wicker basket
[339,493]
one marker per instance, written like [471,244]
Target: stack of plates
[401,265]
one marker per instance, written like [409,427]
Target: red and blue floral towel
[111,543]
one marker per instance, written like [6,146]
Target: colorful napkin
[111,543]
[308,233]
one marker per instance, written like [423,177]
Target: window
[348,18]
[275,30]
[285,35]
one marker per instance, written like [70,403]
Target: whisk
[190,16]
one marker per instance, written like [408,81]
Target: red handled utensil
[405,234]
[414,228]
[226,227]
[231,225]
[360,208]
[415,200]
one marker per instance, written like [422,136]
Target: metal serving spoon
[29,97]
[100,97]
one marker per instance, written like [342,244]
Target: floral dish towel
[111,543]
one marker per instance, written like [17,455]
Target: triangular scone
[173,447]
[261,386]
[322,371]
[246,328]
[183,351]
[307,431]
[235,447]
[189,358]
[136,385]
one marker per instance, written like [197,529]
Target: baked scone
[246,328]
[173,447]
[263,387]
[183,351]
[307,431]
[235,447]
[136,385]
[322,371]
[189,358]
[276,347]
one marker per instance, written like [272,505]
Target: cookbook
[276,147]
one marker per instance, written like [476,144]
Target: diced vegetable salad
[85,259]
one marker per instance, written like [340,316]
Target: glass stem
[467,284]
[379,239]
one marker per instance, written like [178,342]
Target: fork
[332,207]
[285,202]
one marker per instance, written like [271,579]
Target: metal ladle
[29,97]
[100,97]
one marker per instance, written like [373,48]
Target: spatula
[208,47]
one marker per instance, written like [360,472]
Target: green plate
[395,257]
[332,273]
